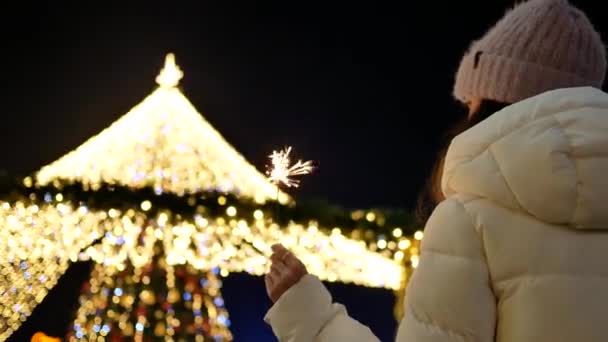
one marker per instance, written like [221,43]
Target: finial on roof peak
[170,74]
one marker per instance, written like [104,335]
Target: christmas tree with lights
[165,208]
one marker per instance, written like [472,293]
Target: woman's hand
[285,271]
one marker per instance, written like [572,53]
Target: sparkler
[280,172]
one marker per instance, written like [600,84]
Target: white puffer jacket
[519,250]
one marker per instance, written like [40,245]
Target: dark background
[363,89]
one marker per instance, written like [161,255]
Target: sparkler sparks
[281,172]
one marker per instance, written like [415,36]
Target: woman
[517,248]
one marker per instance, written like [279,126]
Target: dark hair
[431,194]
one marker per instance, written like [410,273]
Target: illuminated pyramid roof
[165,143]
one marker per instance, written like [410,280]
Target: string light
[36,246]
[397,232]
[370,216]
[205,242]
[127,240]
[173,150]
[404,244]
[146,205]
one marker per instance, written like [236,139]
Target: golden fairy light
[164,143]
[173,150]
[281,172]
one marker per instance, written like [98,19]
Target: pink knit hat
[539,45]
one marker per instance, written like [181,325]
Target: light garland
[129,241]
[164,144]
[393,243]
[234,244]
[36,246]
[152,302]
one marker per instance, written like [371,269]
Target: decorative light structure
[163,142]
[158,269]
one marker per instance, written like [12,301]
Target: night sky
[363,89]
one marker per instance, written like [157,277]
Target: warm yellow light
[370,216]
[356,215]
[27,181]
[146,205]
[414,259]
[174,149]
[404,244]
[418,235]
[162,219]
[399,255]
[95,320]
[36,257]
[203,242]
[382,244]
[397,232]
[113,213]
[171,74]
[221,200]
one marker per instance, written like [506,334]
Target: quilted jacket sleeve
[305,313]
[449,297]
